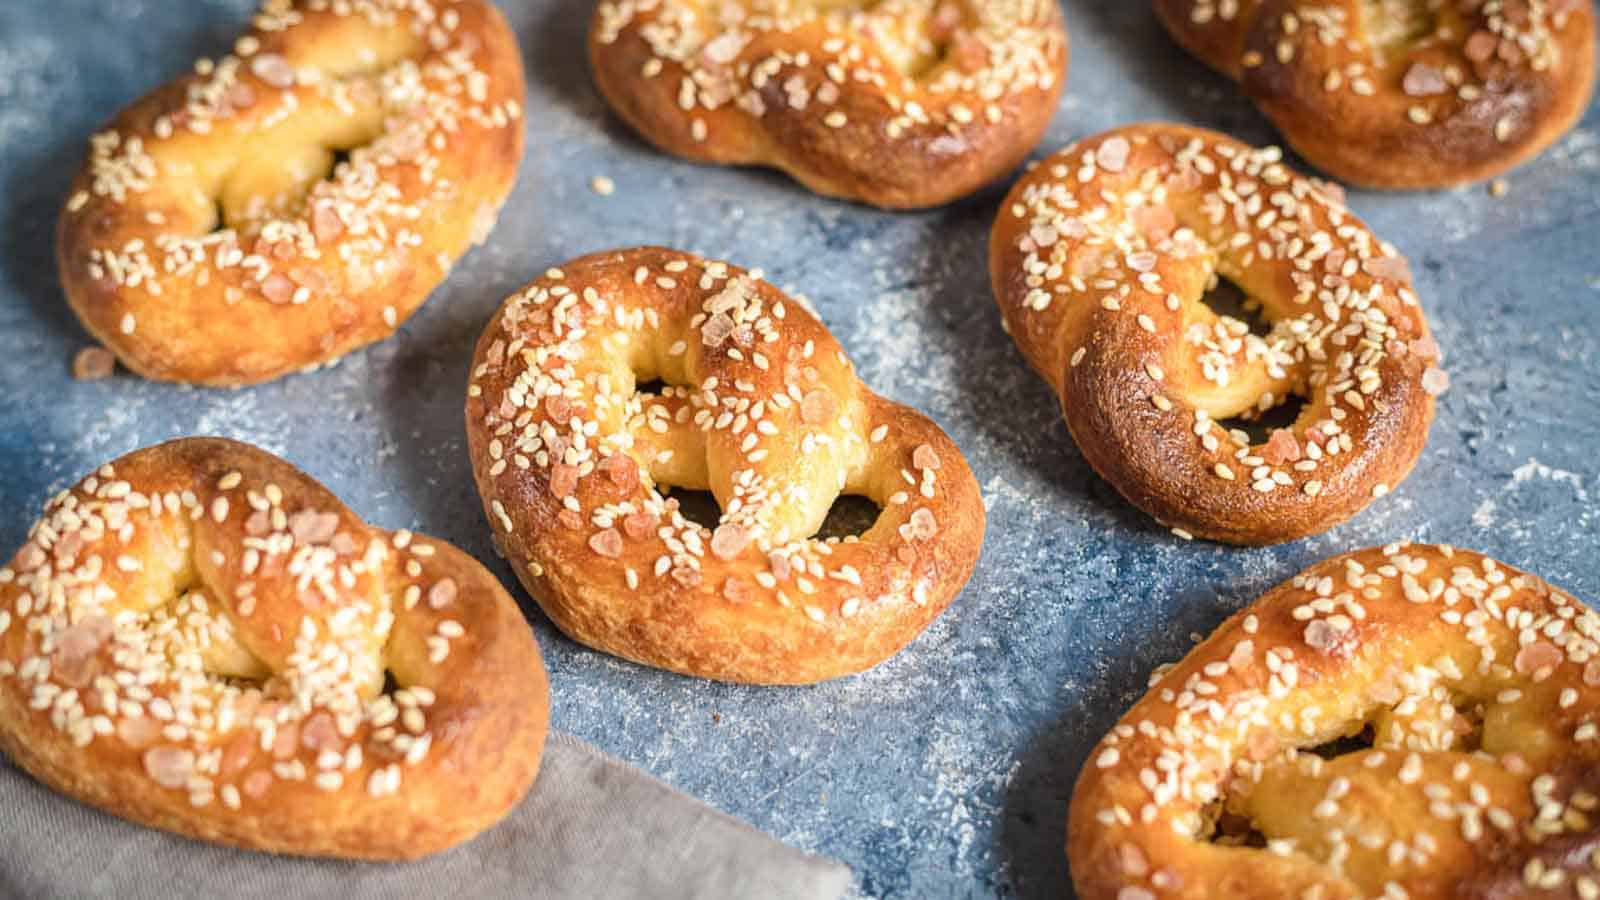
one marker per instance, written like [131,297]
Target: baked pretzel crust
[899,104]
[1100,260]
[206,241]
[1477,687]
[196,638]
[764,410]
[1398,93]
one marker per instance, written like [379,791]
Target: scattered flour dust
[1485,515]
[1534,469]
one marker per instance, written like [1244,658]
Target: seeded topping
[929,63]
[1476,737]
[229,629]
[406,93]
[760,407]
[1347,332]
[1447,60]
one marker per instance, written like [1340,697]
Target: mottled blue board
[945,772]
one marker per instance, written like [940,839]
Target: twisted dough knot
[1100,260]
[212,239]
[1477,687]
[899,103]
[762,409]
[197,637]
[1402,93]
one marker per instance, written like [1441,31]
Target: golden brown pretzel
[762,409]
[196,637]
[206,241]
[897,103]
[1100,259]
[1402,93]
[1477,687]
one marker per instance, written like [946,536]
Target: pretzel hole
[851,515]
[699,507]
[1259,424]
[1347,744]
[1394,26]
[1230,302]
[1229,829]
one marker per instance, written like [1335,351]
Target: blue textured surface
[946,772]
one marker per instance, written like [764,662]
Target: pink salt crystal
[1392,268]
[640,525]
[1112,155]
[729,540]
[1281,448]
[257,783]
[779,564]
[325,223]
[1325,638]
[237,755]
[1133,861]
[442,594]
[736,590]
[286,740]
[31,557]
[77,648]
[716,330]
[169,766]
[1435,382]
[817,407]
[1426,347]
[311,527]
[563,480]
[138,731]
[277,288]
[273,69]
[607,543]
[923,524]
[622,470]
[319,731]
[1480,46]
[925,457]
[1537,655]
[1423,80]
[1143,261]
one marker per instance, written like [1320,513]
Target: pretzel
[1402,93]
[212,238]
[1473,688]
[761,408]
[1100,259]
[900,104]
[197,638]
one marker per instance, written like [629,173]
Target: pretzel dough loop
[902,103]
[215,236]
[1475,687]
[1101,260]
[197,637]
[765,412]
[1403,93]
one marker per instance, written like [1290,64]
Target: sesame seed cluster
[838,94]
[300,196]
[760,407]
[198,635]
[1428,93]
[1471,690]
[1102,257]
